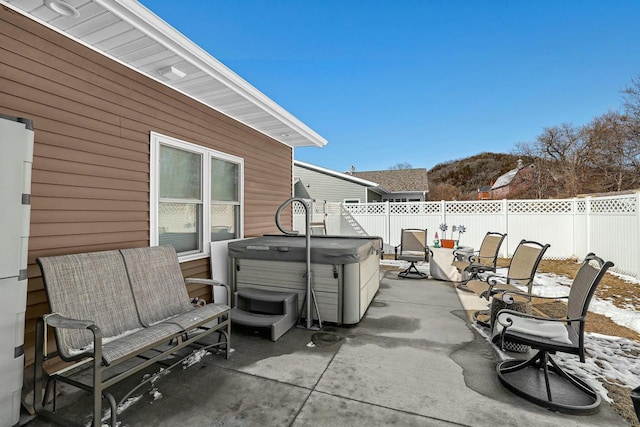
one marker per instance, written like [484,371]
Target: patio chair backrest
[413,240]
[157,283]
[524,262]
[488,253]
[76,285]
[583,287]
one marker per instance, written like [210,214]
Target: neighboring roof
[505,179]
[340,175]
[126,31]
[398,180]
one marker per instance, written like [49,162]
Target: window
[193,189]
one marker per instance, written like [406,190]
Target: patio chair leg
[412,272]
[526,377]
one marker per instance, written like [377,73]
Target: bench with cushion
[114,306]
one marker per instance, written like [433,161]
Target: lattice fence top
[365,208]
[414,208]
[298,209]
[614,205]
[478,207]
[540,206]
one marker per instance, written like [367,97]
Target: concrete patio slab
[414,360]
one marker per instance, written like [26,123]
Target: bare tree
[631,98]
[614,153]
[560,156]
[402,165]
[631,103]
[444,191]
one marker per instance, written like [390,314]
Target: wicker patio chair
[413,248]
[540,379]
[482,261]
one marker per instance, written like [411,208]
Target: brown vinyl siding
[92,118]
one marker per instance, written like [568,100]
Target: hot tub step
[261,309]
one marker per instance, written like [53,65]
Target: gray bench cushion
[197,316]
[124,346]
[77,286]
[157,283]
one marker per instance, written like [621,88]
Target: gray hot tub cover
[324,249]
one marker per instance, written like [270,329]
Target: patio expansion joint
[364,402]
[237,371]
[313,389]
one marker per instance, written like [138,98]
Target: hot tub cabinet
[345,271]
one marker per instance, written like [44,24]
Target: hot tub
[345,271]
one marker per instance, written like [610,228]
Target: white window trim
[154,188]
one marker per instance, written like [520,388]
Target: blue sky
[421,82]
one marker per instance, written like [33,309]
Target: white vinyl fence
[608,226]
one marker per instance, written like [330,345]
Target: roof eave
[336,174]
[148,22]
[292,131]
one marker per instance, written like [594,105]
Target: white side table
[440,263]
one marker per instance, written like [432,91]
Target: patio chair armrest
[519,279]
[492,280]
[457,252]
[479,268]
[395,252]
[508,299]
[212,283]
[507,323]
[479,257]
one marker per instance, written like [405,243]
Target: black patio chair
[540,379]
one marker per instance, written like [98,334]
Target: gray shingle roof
[398,180]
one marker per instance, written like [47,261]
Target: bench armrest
[211,282]
[59,321]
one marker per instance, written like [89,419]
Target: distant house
[511,181]
[403,185]
[484,192]
[321,184]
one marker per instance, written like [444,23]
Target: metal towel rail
[310,294]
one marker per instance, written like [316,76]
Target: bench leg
[38,398]
[97,383]
[228,336]
[114,408]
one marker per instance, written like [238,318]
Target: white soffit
[130,33]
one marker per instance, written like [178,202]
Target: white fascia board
[336,174]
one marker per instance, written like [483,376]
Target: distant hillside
[460,179]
